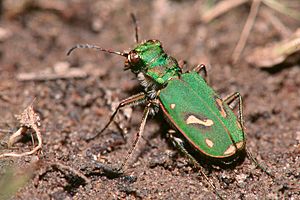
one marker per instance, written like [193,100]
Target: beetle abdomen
[200,115]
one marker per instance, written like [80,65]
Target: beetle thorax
[153,67]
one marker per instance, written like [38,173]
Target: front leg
[137,137]
[130,101]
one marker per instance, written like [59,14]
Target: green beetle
[204,121]
[192,107]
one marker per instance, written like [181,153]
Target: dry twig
[246,30]
[44,76]
[276,53]
[282,8]
[221,8]
[276,23]
[226,5]
[63,167]
[56,165]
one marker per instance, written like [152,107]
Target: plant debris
[28,119]
[276,53]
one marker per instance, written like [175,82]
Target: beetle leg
[230,99]
[138,136]
[253,159]
[130,101]
[201,70]
[180,145]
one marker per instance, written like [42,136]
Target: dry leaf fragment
[28,119]
[276,53]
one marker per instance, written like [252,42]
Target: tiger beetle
[200,118]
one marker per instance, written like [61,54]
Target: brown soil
[72,109]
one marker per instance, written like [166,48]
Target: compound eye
[134,58]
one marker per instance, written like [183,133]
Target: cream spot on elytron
[209,143]
[172,105]
[220,104]
[239,144]
[194,120]
[231,150]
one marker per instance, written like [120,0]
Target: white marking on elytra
[230,150]
[194,120]
[172,105]
[239,144]
[220,104]
[209,143]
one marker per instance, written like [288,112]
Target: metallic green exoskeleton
[204,119]
[194,109]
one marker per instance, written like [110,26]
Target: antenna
[136,28]
[89,46]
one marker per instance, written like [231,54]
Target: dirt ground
[75,96]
